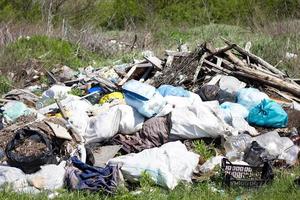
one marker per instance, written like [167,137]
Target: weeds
[4,85]
[203,150]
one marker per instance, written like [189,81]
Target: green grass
[4,85]
[281,188]
[50,51]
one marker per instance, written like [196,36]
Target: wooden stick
[255,58]
[199,67]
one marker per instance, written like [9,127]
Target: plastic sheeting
[166,165]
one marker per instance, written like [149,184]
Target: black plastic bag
[213,92]
[29,163]
[255,155]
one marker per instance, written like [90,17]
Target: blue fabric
[169,90]
[268,114]
[92,178]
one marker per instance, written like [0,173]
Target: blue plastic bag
[250,97]
[169,90]
[268,114]
[231,110]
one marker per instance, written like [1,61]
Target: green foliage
[4,85]
[77,92]
[203,150]
[19,10]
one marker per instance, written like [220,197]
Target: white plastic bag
[166,165]
[49,177]
[131,121]
[103,126]
[197,121]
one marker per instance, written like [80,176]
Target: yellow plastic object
[109,97]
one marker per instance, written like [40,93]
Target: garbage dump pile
[98,129]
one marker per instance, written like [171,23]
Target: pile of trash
[98,129]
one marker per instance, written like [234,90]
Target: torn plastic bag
[213,92]
[50,177]
[78,114]
[250,97]
[131,121]
[15,109]
[268,114]
[169,90]
[103,126]
[81,176]
[166,165]
[198,121]
[143,97]
[29,162]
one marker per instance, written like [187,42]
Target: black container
[245,176]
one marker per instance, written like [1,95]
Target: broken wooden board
[128,75]
[155,61]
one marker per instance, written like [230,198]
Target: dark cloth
[155,132]
[213,92]
[82,176]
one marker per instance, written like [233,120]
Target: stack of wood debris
[193,69]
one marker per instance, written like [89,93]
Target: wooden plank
[155,61]
[124,80]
